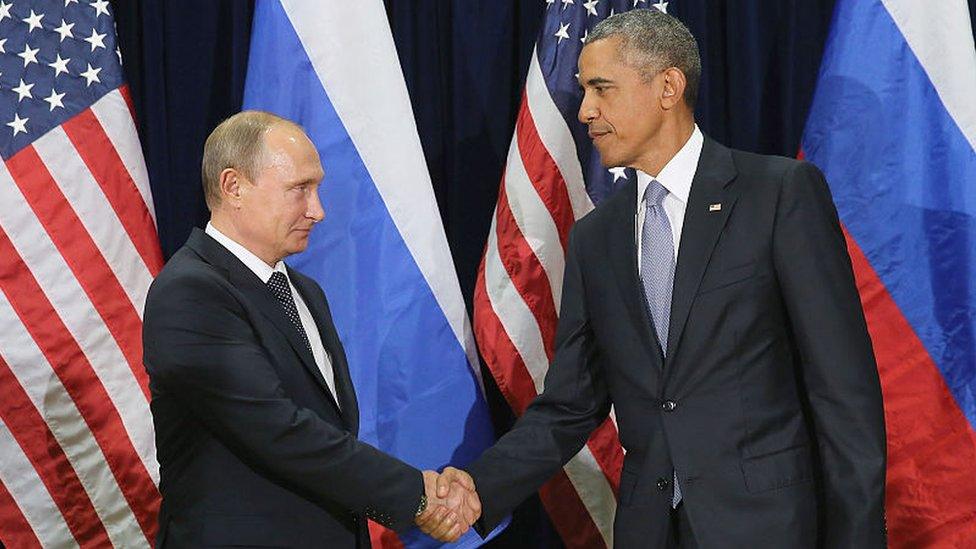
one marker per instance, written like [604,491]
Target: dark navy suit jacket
[253,449]
[768,404]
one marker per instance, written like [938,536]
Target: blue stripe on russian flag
[419,397]
[903,176]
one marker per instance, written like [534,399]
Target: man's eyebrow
[596,81]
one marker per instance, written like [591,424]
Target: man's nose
[587,112]
[314,208]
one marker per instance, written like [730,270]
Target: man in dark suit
[254,410]
[713,304]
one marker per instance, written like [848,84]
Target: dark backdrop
[464,62]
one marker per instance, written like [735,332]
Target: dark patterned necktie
[278,284]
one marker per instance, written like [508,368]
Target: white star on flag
[566,3]
[661,6]
[101,7]
[55,99]
[91,75]
[4,10]
[638,2]
[18,124]
[68,2]
[29,55]
[34,21]
[2,42]
[550,3]
[65,30]
[96,40]
[591,7]
[59,65]
[563,32]
[586,32]
[23,90]
[618,173]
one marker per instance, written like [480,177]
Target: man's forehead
[289,148]
[606,53]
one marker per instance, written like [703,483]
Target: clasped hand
[452,504]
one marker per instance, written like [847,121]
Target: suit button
[669,405]
[663,483]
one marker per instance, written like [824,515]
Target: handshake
[452,504]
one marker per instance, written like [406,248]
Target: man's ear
[674,87]
[230,186]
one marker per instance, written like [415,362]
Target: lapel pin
[715,207]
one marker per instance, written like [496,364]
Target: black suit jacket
[253,449]
[768,404]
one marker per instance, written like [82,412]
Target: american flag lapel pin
[717,207]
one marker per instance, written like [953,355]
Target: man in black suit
[254,410]
[713,304]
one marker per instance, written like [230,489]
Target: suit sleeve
[558,422]
[838,366]
[201,348]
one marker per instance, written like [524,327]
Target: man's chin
[298,245]
[607,160]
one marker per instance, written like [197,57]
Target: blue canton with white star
[57,57]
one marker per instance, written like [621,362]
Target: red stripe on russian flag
[931,484]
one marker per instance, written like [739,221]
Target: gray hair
[653,41]
[237,142]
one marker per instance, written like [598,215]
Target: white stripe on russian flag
[940,36]
[386,137]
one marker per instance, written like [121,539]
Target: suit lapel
[257,294]
[622,251]
[699,234]
[345,391]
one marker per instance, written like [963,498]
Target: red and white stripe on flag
[78,249]
[517,296]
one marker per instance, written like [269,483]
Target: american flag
[78,249]
[552,178]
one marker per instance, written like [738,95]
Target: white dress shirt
[264,272]
[676,177]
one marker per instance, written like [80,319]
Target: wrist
[422,505]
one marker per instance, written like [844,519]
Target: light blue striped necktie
[657,272]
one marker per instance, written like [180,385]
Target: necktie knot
[278,284]
[655,193]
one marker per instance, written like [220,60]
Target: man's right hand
[452,504]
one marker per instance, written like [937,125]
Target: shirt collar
[677,174]
[251,261]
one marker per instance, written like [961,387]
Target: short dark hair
[653,41]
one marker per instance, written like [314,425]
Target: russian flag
[893,127]
[381,254]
